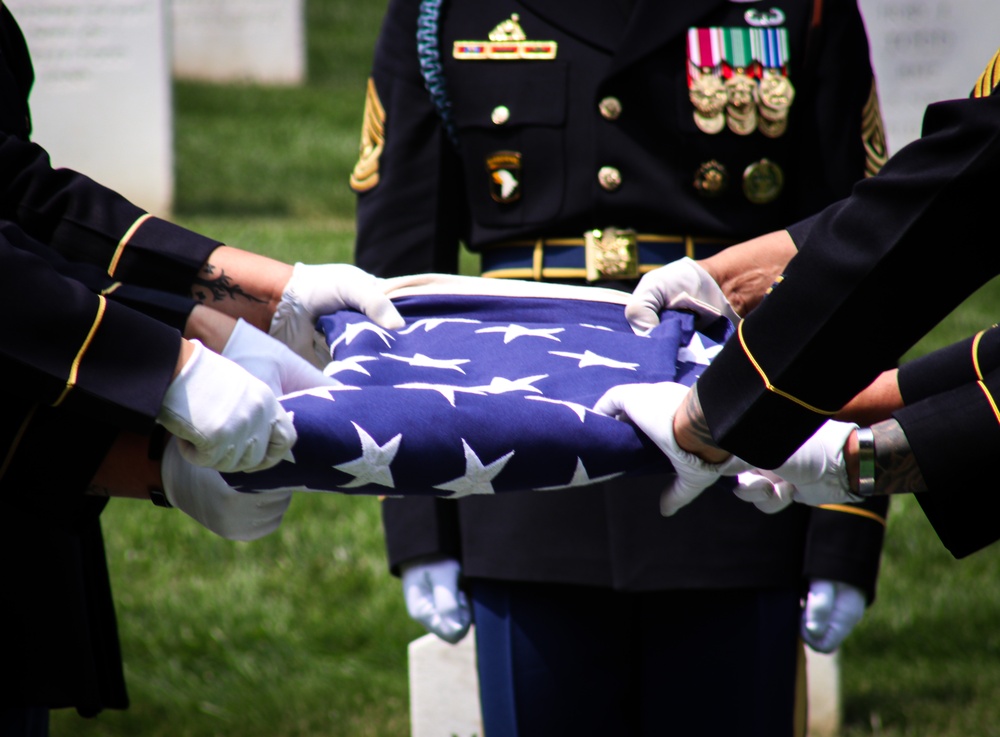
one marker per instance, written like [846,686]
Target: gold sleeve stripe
[989,398]
[770,387]
[859,511]
[12,450]
[989,79]
[975,354]
[124,242]
[74,370]
[112,289]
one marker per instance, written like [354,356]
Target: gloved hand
[271,361]
[651,408]
[225,418]
[817,468]
[681,284]
[832,610]
[202,494]
[765,490]
[434,599]
[316,290]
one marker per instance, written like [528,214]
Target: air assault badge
[506,42]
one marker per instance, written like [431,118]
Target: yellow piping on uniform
[75,368]
[769,386]
[860,511]
[124,242]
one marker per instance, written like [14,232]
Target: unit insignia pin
[504,169]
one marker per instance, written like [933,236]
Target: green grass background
[304,633]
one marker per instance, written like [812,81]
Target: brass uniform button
[610,108]
[500,115]
[711,179]
[763,181]
[609,178]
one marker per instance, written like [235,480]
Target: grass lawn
[304,633]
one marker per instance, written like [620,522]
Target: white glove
[681,284]
[831,612]
[317,290]
[817,468]
[202,494]
[271,361]
[651,408]
[765,490]
[225,418]
[434,599]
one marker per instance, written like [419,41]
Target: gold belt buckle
[612,253]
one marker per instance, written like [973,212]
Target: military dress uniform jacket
[602,132]
[94,290]
[867,283]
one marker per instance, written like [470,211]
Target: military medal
[711,179]
[741,85]
[763,181]
[705,87]
[776,93]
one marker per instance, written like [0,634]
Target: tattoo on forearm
[218,286]
[691,412]
[896,470]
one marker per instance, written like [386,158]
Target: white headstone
[260,41]
[101,103]
[925,51]
[444,688]
[823,682]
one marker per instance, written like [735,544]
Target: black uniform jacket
[868,282]
[93,289]
[601,135]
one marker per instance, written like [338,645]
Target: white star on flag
[512,332]
[445,390]
[372,466]
[580,478]
[696,351]
[500,385]
[422,361]
[355,329]
[430,323]
[478,479]
[589,358]
[351,363]
[578,409]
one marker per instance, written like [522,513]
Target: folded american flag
[487,389]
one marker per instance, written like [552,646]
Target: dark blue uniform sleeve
[868,282]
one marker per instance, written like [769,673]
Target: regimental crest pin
[507,42]
[504,169]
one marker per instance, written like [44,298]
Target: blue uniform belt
[611,253]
